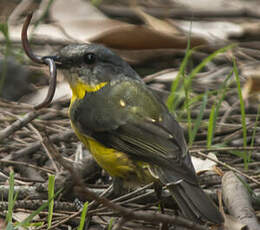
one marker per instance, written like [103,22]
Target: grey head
[93,63]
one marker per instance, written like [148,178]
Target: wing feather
[143,128]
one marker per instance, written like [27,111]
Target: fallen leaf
[251,88]
[211,31]
[204,165]
[142,37]
[67,11]
[157,24]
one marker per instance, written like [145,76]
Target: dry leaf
[67,11]
[142,37]
[157,24]
[251,89]
[204,165]
[141,56]
[211,31]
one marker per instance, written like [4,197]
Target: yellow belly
[116,163]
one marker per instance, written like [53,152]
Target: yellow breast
[116,163]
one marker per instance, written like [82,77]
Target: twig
[26,165]
[34,204]
[237,200]
[229,167]
[54,226]
[126,12]
[36,146]
[124,212]
[223,149]
[119,224]
[19,124]
[46,150]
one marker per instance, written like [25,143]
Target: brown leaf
[142,37]
[251,88]
[157,24]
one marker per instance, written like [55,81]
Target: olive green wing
[126,116]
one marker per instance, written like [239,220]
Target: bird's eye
[89,58]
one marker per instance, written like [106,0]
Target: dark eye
[89,58]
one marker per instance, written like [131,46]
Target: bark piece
[238,201]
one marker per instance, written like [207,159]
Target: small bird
[129,130]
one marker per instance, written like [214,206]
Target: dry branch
[237,200]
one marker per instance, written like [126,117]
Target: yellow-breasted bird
[128,130]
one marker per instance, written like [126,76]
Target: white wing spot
[122,103]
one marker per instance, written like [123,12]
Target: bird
[128,130]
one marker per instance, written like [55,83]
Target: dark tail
[195,204]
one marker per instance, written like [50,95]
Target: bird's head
[92,64]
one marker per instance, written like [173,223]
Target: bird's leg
[117,188]
[158,191]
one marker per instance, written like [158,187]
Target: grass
[182,87]
[178,89]
[243,114]
[29,221]
[11,198]
[215,109]
[7,47]
[83,216]
[199,118]
[254,131]
[50,196]
[110,225]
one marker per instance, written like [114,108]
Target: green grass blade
[83,216]
[9,226]
[215,110]
[26,222]
[5,31]
[211,127]
[254,132]
[10,198]
[206,60]
[110,225]
[187,88]
[181,74]
[242,110]
[176,82]
[187,107]
[50,195]
[199,118]
[222,92]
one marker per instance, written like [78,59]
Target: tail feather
[195,204]
[190,197]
